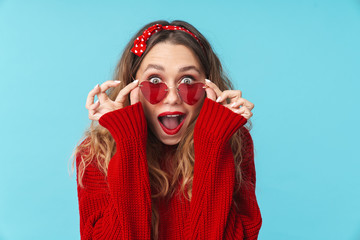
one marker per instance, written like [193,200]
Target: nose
[173,96]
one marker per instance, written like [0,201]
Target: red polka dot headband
[140,42]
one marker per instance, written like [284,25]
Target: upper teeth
[173,115]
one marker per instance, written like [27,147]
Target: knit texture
[119,206]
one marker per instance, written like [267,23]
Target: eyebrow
[187,68]
[161,68]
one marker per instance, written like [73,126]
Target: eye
[154,80]
[187,80]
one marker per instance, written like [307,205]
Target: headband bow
[140,42]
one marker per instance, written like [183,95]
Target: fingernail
[117,81]
[96,85]
[207,80]
[232,105]
[96,101]
[218,100]
[135,81]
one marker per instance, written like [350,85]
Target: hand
[105,104]
[236,101]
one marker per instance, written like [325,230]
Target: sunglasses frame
[168,89]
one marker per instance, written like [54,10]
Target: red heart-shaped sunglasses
[156,92]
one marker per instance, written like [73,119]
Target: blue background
[297,61]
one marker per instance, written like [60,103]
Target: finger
[245,112]
[94,116]
[91,96]
[91,114]
[214,87]
[134,95]
[95,105]
[121,97]
[104,87]
[233,95]
[210,93]
[243,102]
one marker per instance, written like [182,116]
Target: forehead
[170,55]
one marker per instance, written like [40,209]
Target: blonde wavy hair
[99,146]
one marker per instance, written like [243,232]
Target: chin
[164,138]
[170,141]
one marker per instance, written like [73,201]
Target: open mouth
[171,123]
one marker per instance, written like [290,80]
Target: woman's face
[171,64]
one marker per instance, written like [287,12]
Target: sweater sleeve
[214,172]
[249,215]
[119,207]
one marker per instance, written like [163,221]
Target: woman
[170,157]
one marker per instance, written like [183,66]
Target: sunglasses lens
[153,93]
[191,93]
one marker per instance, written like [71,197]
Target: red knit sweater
[119,206]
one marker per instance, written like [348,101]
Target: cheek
[145,106]
[194,110]
[141,98]
[149,110]
[198,106]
